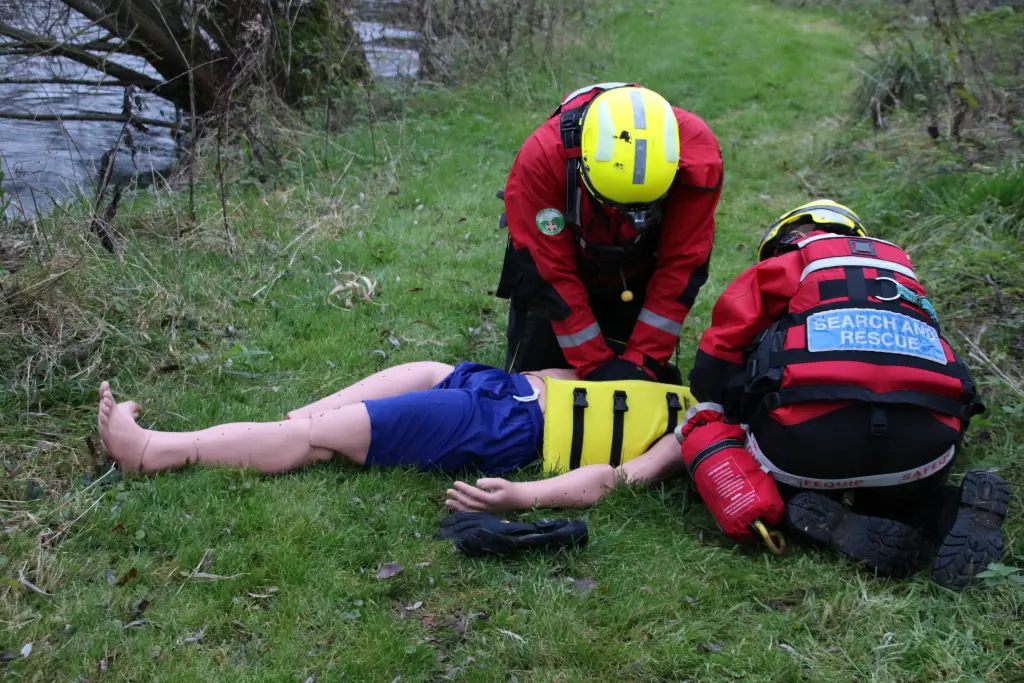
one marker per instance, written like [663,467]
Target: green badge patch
[550,221]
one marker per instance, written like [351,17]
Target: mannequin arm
[575,489]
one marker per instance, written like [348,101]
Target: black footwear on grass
[887,546]
[976,536]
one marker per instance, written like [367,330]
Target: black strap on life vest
[840,289]
[674,406]
[579,404]
[617,428]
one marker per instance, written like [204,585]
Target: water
[51,161]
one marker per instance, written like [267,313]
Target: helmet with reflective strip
[825,214]
[629,148]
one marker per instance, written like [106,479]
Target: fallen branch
[98,82]
[89,116]
[988,361]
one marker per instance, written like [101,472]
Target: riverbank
[260,306]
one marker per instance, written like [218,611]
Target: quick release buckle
[579,398]
[620,402]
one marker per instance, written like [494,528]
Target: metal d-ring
[895,296]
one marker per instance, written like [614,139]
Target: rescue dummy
[831,357]
[610,208]
[431,416]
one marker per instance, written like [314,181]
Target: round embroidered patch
[550,221]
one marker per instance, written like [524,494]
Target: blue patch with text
[865,329]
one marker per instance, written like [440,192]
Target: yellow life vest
[587,423]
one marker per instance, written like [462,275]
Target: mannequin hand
[489,495]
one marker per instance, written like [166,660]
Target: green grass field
[219,326]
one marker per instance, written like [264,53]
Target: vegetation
[260,305]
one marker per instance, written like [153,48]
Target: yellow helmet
[629,148]
[827,214]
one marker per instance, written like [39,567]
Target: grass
[411,207]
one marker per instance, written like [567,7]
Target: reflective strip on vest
[834,236]
[568,341]
[659,321]
[595,423]
[856,261]
[865,482]
[585,89]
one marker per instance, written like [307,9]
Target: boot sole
[976,539]
[887,546]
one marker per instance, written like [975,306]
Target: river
[47,161]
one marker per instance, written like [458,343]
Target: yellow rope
[775,541]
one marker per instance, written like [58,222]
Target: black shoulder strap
[674,406]
[570,130]
[579,404]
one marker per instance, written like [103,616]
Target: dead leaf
[514,636]
[787,648]
[646,589]
[206,562]
[690,600]
[414,606]
[709,647]
[26,650]
[118,529]
[103,665]
[111,578]
[137,622]
[833,648]
[267,592]
[389,570]
[428,621]
[132,573]
[194,638]
[139,607]
[584,585]
[312,679]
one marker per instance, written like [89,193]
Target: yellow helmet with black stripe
[824,213]
[629,148]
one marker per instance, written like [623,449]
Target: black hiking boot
[976,536]
[885,545]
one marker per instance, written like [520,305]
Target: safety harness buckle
[772,401]
[620,402]
[579,398]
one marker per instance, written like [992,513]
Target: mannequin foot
[124,440]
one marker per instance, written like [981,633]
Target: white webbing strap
[869,481]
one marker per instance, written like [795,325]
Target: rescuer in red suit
[610,207]
[830,354]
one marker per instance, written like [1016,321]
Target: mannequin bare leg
[400,379]
[270,447]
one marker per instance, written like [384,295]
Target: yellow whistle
[626,296]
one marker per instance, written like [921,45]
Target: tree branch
[53,47]
[90,116]
[98,82]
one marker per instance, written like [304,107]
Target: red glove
[734,487]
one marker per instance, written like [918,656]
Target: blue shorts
[471,420]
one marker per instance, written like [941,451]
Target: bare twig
[982,356]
